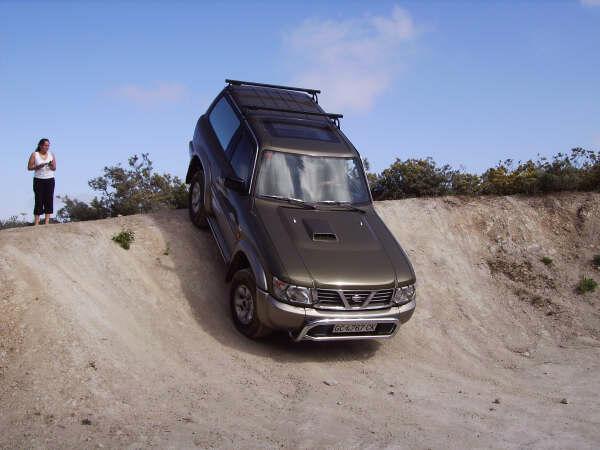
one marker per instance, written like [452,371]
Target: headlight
[405,294]
[290,293]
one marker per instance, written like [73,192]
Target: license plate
[359,327]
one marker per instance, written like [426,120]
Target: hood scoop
[319,230]
[324,237]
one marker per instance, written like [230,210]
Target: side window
[243,157]
[224,122]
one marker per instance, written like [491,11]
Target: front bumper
[317,324]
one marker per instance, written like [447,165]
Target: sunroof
[300,131]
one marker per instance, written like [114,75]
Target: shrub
[497,180]
[130,190]
[76,210]
[124,238]
[577,170]
[596,261]
[504,180]
[586,285]
[465,183]
[14,222]
[547,260]
[414,178]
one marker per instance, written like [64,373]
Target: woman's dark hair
[41,143]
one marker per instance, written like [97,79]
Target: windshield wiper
[291,200]
[345,205]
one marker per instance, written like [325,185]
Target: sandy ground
[102,347]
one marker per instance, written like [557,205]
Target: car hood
[331,248]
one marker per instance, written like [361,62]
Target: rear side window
[224,122]
[243,157]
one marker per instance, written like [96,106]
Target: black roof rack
[335,117]
[312,92]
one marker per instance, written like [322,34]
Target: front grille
[354,299]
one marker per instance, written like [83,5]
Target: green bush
[127,190]
[124,238]
[413,178]
[586,285]
[76,210]
[578,170]
[465,183]
[547,260]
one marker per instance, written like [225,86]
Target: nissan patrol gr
[285,196]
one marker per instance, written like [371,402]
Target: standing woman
[43,162]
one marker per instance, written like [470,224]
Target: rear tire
[243,303]
[196,201]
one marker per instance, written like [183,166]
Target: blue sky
[467,83]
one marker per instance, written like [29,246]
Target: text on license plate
[354,327]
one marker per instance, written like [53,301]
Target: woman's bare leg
[36,219]
[47,219]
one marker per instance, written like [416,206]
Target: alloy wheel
[196,197]
[244,305]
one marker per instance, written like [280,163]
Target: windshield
[312,178]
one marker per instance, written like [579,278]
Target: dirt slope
[105,347]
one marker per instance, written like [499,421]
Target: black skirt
[43,189]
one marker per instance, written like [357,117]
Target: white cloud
[351,61]
[158,94]
[590,2]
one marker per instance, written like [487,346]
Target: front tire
[196,201]
[244,306]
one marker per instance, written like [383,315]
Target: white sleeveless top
[45,172]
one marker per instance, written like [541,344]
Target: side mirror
[236,184]
[377,192]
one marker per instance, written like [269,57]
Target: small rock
[564,401]
[496,401]
[338,403]
[391,393]
[330,382]
[526,354]
[92,364]
[492,409]
[86,422]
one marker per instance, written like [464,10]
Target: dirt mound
[100,346]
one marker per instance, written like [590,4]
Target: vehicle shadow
[198,265]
